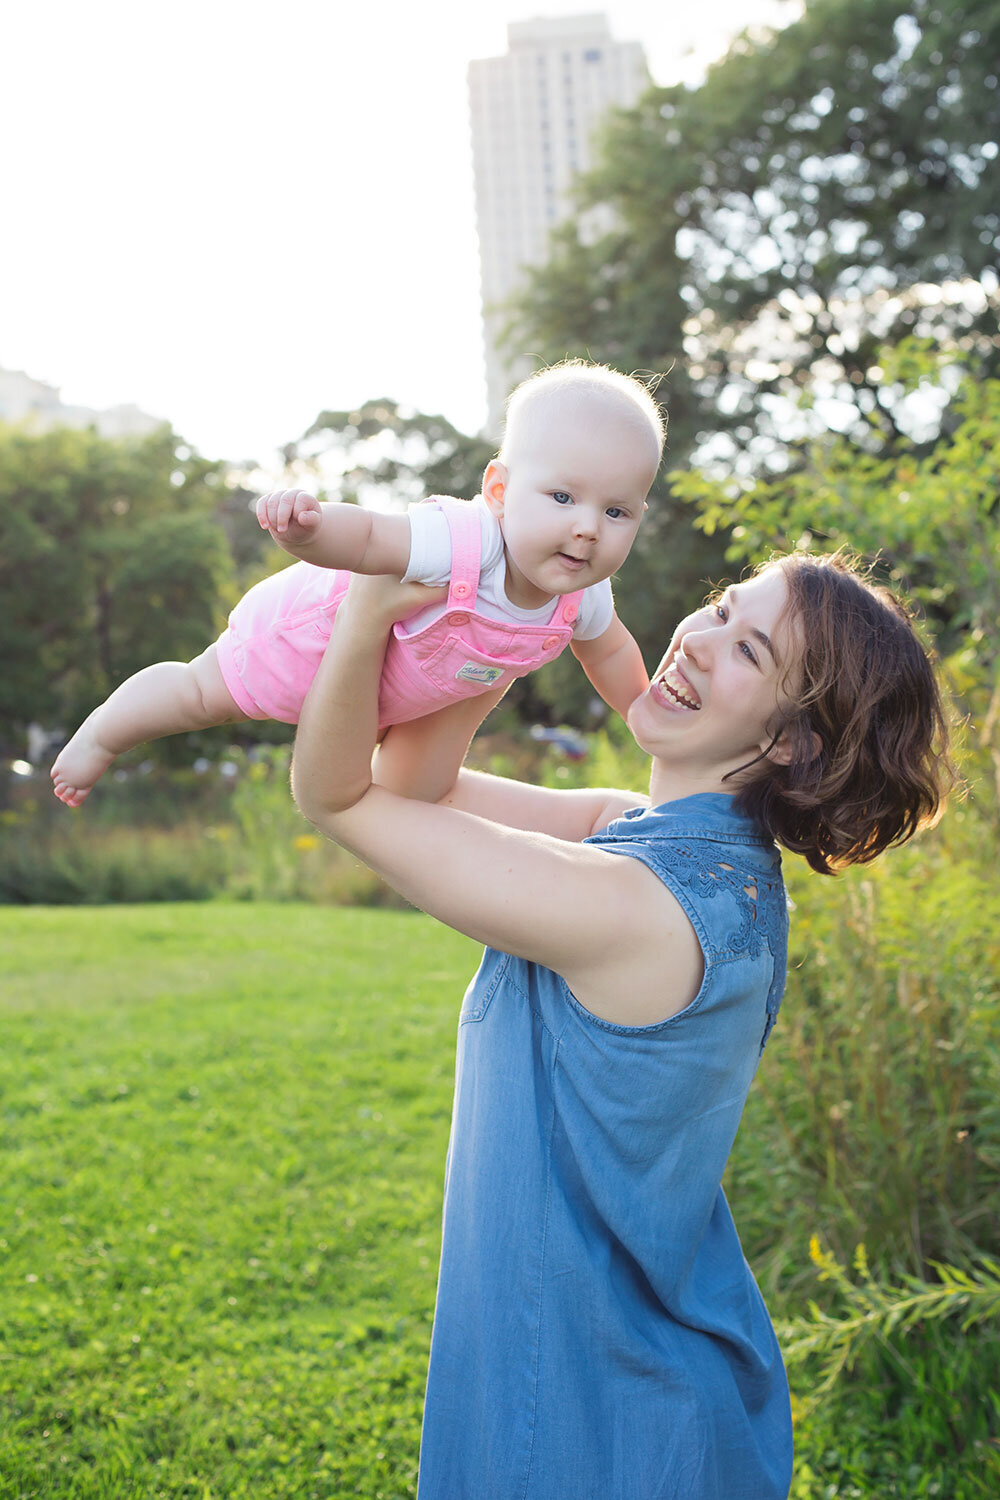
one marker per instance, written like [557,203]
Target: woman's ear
[495,486]
[789,746]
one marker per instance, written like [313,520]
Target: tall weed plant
[900,1383]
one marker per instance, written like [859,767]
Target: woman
[598,1334]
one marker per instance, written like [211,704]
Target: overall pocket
[456,667]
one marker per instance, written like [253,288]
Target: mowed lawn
[224,1130]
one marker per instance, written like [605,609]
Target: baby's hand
[290,516]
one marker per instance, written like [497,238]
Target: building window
[592,54]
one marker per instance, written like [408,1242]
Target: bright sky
[235,215]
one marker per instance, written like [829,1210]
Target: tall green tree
[399,454]
[110,557]
[825,192]
[928,519]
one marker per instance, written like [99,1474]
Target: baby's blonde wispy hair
[572,377]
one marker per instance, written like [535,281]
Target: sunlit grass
[224,1131]
[224,1128]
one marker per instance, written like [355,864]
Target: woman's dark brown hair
[866,727]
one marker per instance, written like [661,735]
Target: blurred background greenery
[803,252]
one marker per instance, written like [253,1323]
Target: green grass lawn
[223,1140]
[224,1130]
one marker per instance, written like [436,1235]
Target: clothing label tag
[474,671]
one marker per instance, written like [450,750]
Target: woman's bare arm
[605,923]
[423,759]
[572,814]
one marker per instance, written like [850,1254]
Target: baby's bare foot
[78,766]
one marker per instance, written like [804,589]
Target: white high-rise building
[533,116]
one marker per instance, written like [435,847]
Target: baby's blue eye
[614,511]
[561,497]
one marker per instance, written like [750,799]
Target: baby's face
[574,493]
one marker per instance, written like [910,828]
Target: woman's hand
[341,707]
[373,604]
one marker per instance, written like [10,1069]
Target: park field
[224,1130]
[224,1127]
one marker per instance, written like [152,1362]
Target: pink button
[461,590]
[458,618]
[569,612]
[549,642]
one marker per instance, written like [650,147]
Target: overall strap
[567,608]
[466,550]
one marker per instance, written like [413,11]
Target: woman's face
[716,696]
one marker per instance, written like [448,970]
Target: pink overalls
[278,632]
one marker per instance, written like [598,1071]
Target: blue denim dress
[598,1333]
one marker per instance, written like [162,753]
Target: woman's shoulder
[618,806]
[710,816]
[723,869]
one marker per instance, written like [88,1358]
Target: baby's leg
[169,698]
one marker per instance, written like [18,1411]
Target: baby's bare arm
[614,664]
[336,535]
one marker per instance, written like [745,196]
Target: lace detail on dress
[753,895]
[759,903]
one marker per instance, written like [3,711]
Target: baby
[527,566]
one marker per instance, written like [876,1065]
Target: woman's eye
[721,613]
[561,497]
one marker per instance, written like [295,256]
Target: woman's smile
[674,690]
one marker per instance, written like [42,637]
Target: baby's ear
[495,486]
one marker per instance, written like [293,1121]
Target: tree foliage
[825,192]
[398,453]
[931,518]
[109,558]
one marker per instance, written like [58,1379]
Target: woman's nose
[696,646]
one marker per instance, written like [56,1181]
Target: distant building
[23,399]
[533,115]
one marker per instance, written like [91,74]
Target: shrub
[878,1095]
[275,855]
[72,867]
